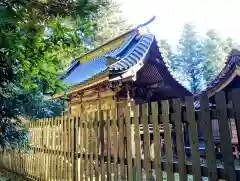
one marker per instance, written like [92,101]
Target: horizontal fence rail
[165,140]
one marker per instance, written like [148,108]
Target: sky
[222,15]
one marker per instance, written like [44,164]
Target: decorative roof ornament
[115,54]
[146,23]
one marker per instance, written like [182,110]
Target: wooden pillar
[69,105]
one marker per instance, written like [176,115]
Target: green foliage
[109,23]
[198,59]
[4,179]
[167,53]
[37,38]
[13,135]
[188,59]
[215,52]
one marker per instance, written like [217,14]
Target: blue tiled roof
[123,49]
[127,55]
[84,71]
[134,54]
[78,73]
[232,61]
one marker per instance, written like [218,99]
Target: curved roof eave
[135,57]
[122,74]
[121,45]
[225,77]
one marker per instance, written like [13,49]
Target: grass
[4,179]
[6,176]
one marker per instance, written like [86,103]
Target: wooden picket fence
[96,147]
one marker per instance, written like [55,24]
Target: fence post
[178,126]
[75,155]
[225,139]
[208,137]
[236,107]
[167,139]
[193,138]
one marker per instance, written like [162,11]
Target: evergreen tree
[198,60]
[188,59]
[167,53]
[171,61]
[109,23]
[215,52]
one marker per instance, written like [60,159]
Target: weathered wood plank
[57,148]
[137,142]
[91,145]
[54,148]
[42,150]
[86,148]
[206,123]
[193,138]
[96,149]
[65,148]
[129,142]
[81,146]
[36,155]
[225,137]
[42,166]
[28,156]
[61,147]
[114,141]
[157,141]
[179,139]
[102,129]
[108,147]
[72,148]
[167,140]
[236,108]
[46,148]
[31,157]
[17,162]
[77,145]
[121,147]
[50,146]
[146,141]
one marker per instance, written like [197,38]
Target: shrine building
[127,68]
